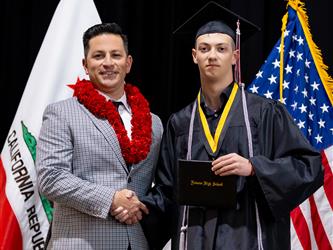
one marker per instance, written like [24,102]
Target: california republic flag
[24,214]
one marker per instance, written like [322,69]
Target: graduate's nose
[212,54]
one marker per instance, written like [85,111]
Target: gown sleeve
[160,222]
[287,168]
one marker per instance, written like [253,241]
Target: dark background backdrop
[163,67]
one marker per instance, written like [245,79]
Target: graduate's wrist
[252,172]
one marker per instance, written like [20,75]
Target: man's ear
[84,64]
[235,56]
[194,56]
[129,62]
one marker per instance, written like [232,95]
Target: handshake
[127,208]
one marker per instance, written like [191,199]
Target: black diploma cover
[197,185]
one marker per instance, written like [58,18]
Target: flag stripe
[317,226]
[325,213]
[299,221]
[301,228]
[295,242]
[10,233]
[328,181]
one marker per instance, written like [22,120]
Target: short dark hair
[103,28]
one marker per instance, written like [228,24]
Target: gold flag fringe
[283,28]
[327,80]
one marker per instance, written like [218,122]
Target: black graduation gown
[287,171]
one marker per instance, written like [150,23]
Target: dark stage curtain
[163,66]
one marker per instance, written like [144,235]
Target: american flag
[302,84]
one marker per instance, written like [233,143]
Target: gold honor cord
[214,142]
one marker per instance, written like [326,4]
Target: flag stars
[314,86]
[307,63]
[312,101]
[321,123]
[285,84]
[288,69]
[268,94]
[279,48]
[283,100]
[276,63]
[299,56]
[302,108]
[299,87]
[300,124]
[319,138]
[259,74]
[300,41]
[305,92]
[324,108]
[294,106]
[286,33]
[272,79]
[309,131]
[254,89]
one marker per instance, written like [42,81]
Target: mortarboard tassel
[237,73]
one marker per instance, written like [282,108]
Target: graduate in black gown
[276,168]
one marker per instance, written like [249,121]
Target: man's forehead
[214,38]
[102,46]
[103,40]
[106,36]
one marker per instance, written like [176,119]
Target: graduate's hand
[127,208]
[124,216]
[232,164]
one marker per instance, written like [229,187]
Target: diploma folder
[197,185]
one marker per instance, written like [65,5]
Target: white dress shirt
[125,112]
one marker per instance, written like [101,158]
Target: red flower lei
[134,150]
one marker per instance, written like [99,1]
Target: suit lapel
[109,134]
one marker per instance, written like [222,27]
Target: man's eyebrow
[205,43]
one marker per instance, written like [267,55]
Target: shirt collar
[223,97]
[122,99]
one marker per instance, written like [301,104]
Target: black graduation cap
[214,18]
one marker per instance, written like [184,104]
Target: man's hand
[232,164]
[127,208]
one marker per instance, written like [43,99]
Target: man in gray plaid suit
[93,162]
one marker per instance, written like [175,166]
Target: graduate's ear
[235,56]
[194,56]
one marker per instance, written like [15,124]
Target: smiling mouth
[108,74]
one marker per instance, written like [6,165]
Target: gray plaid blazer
[80,166]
